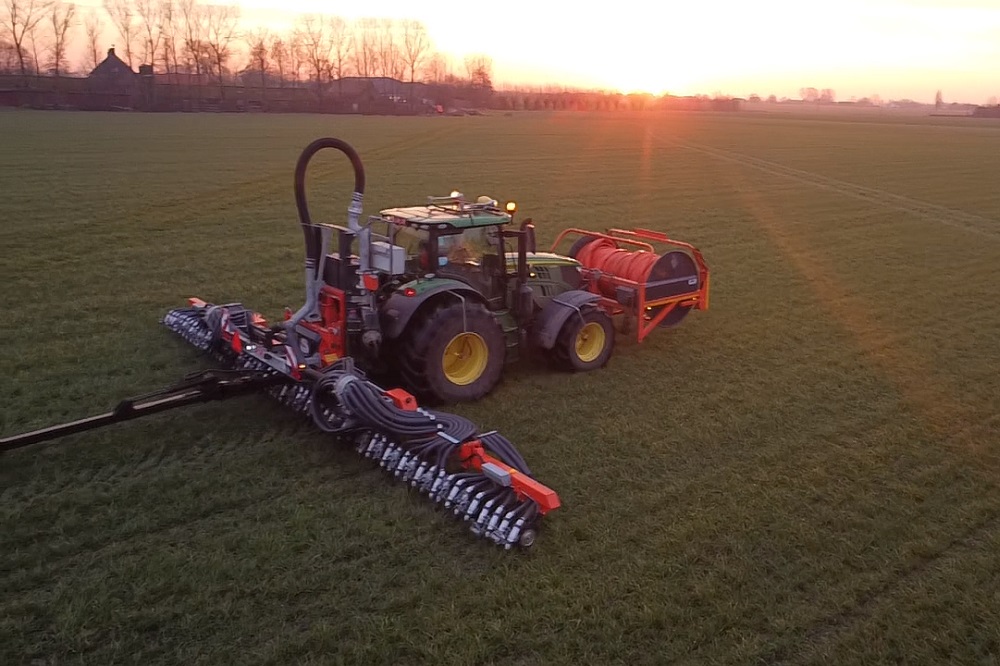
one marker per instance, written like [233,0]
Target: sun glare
[857,47]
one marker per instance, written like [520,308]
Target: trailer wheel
[585,341]
[454,353]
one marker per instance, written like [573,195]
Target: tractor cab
[451,238]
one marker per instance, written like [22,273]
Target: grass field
[806,473]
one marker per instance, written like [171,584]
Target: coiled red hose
[603,254]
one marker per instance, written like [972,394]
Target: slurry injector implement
[438,298]
[480,477]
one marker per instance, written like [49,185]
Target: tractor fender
[397,311]
[555,313]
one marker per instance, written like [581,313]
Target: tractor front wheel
[454,353]
[585,341]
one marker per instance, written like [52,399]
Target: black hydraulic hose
[494,494]
[315,408]
[366,399]
[312,235]
[381,415]
[507,452]
[456,427]
[425,449]
[429,435]
[460,478]
[481,486]
[444,453]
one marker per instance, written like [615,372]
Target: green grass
[805,473]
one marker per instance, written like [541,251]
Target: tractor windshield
[472,256]
[467,247]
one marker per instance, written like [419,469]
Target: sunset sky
[892,48]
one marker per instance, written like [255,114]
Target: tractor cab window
[471,255]
[416,243]
[468,246]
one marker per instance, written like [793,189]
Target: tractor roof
[450,213]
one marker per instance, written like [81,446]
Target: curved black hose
[507,451]
[311,233]
[430,435]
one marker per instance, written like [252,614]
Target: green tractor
[473,293]
[441,296]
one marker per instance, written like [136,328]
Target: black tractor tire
[422,363]
[596,344]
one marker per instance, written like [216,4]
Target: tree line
[195,38]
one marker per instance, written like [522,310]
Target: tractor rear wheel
[585,341]
[453,353]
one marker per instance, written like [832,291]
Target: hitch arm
[198,387]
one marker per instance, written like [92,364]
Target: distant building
[113,72]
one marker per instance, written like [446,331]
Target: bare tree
[93,26]
[279,54]
[168,35]
[258,42]
[123,16]
[809,94]
[62,17]
[8,57]
[221,22]
[438,69]
[340,49]
[297,55]
[364,47]
[479,67]
[20,19]
[33,42]
[314,43]
[150,21]
[416,46]
[195,21]
[390,60]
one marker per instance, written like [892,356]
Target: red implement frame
[697,299]
[472,455]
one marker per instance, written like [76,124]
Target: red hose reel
[660,288]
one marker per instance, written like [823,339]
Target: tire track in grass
[195,448]
[810,648]
[933,402]
[566,183]
[932,212]
[20,573]
[136,468]
[264,187]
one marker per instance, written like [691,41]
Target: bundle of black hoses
[356,403]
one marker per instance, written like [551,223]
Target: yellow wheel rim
[590,341]
[465,358]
